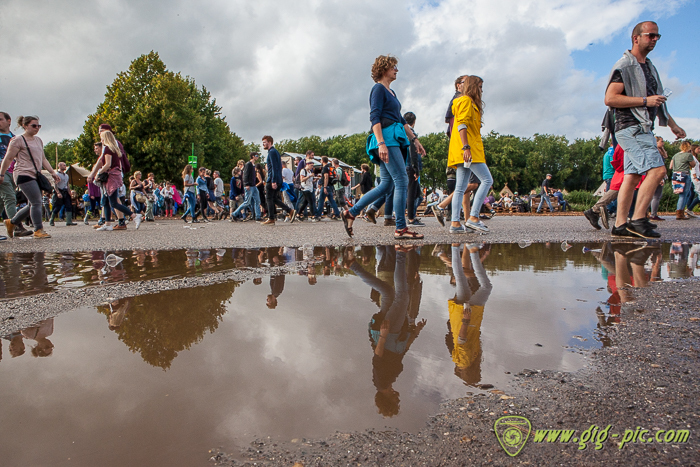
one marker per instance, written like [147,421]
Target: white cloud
[294,69]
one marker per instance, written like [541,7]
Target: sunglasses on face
[652,35]
[34,125]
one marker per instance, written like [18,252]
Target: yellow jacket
[466,113]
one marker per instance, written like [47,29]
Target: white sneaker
[478,225]
[137,220]
[106,227]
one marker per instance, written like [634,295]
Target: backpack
[332,176]
[345,178]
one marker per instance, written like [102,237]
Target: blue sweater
[384,104]
[274,167]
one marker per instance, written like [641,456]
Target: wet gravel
[171,234]
[648,379]
[20,313]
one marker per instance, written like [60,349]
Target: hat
[549,175]
[106,127]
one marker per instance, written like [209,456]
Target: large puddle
[365,339]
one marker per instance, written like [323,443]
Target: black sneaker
[592,217]
[415,223]
[622,231]
[641,228]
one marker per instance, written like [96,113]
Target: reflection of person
[16,344]
[276,289]
[466,310]
[40,334]
[117,312]
[391,332]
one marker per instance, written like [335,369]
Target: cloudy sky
[299,68]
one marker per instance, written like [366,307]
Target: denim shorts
[641,153]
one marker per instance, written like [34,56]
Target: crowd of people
[634,169]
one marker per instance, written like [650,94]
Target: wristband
[465,147]
[381,144]
[414,138]
[645,101]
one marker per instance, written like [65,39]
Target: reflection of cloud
[293,69]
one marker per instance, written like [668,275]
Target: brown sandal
[405,234]
[345,216]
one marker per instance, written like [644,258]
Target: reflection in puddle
[364,338]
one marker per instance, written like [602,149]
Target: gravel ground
[171,234]
[647,379]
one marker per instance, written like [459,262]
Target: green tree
[436,147]
[66,152]
[157,115]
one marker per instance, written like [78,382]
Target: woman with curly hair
[466,154]
[387,145]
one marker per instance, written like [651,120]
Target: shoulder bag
[44,184]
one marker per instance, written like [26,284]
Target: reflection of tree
[159,326]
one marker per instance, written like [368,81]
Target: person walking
[273,183]
[681,165]
[326,185]
[306,198]
[62,197]
[202,195]
[8,196]
[547,191]
[112,163]
[466,154]
[28,150]
[413,166]
[251,200]
[635,93]
[167,192]
[386,146]
[190,192]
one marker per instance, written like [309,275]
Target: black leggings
[306,199]
[203,198]
[168,203]
[117,205]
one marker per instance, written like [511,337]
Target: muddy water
[359,341]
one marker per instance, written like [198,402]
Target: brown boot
[269,222]
[41,234]
[680,215]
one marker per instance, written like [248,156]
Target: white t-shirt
[218,187]
[696,172]
[287,175]
[307,185]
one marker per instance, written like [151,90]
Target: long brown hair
[472,89]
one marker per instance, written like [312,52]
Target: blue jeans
[388,200]
[136,206]
[326,192]
[391,173]
[544,197]
[251,200]
[191,204]
[483,173]
[685,197]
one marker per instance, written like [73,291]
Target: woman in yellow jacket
[466,154]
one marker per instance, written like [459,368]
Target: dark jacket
[274,167]
[249,178]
